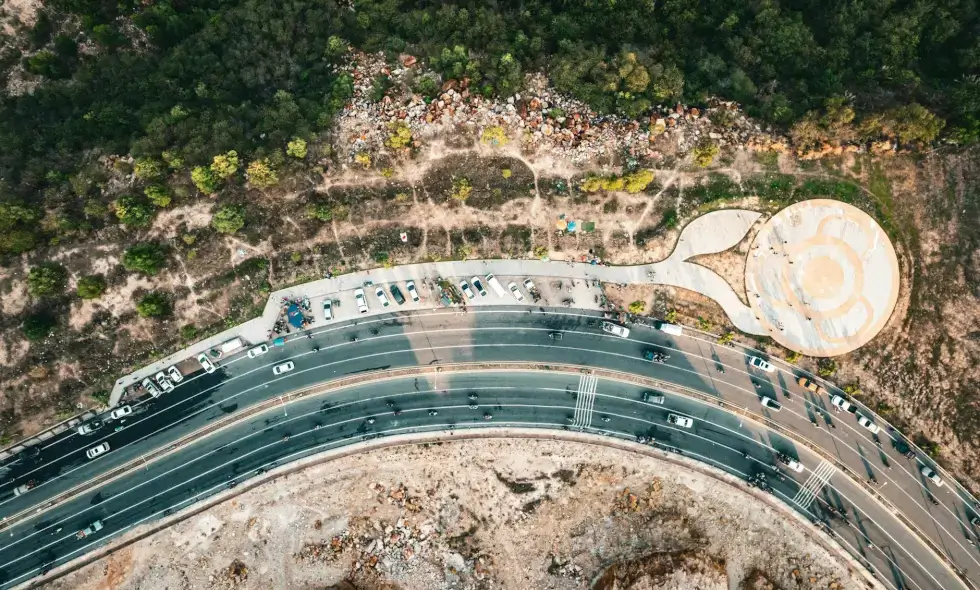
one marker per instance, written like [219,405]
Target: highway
[541,399]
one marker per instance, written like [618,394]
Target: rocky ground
[479,514]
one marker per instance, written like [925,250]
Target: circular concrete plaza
[822,277]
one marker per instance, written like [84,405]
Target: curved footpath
[609,402]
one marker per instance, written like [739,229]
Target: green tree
[46,279]
[148,169]
[205,180]
[261,174]
[296,148]
[229,219]
[133,211]
[145,257]
[225,165]
[91,286]
[38,326]
[153,305]
[913,124]
[158,194]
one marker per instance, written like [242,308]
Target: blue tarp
[295,316]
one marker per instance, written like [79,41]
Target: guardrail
[49,432]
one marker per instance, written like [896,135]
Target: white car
[615,330]
[327,310]
[97,450]
[151,388]
[760,364]
[258,351]
[516,291]
[867,423]
[362,305]
[22,489]
[206,363]
[163,381]
[89,427]
[795,465]
[770,403]
[930,473]
[682,421]
[382,297]
[478,285]
[121,412]
[175,375]
[529,285]
[283,368]
[843,404]
[412,291]
[466,289]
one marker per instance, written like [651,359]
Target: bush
[148,169]
[704,153]
[461,189]
[671,317]
[296,148]
[506,172]
[37,326]
[793,357]
[46,279]
[91,287]
[826,368]
[188,332]
[400,137]
[669,219]
[638,181]
[229,219]
[146,257]
[494,136]
[133,211]
[225,165]
[319,211]
[153,305]
[726,338]
[637,307]
[261,174]
[703,324]
[205,180]
[158,195]
[101,397]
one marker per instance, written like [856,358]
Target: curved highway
[543,399]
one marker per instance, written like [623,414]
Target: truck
[495,285]
[673,329]
[615,330]
[89,530]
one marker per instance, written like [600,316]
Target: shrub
[101,397]
[225,165]
[148,169]
[726,338]
[400,136]
[461,189]
[91,287]
[637,307]
[540,251]
[37,326]
[158,195]
[261,174]
[363,158]
[506,172]
[153,305]
[229,219]
[669,219]
[703,324]
[133,211]
[319,211]
[638,181]
[826,368]
[494,136]
[205,180]
[46,279]
[296,148]
[146,257]
[671,317]
[188,332]
[793,357]
[705,152]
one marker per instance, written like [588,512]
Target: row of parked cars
[379,292]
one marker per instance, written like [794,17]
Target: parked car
[396,293]
[412,291]
[90,427]
[529,285]
[615,330]
[380,293]
[516,291]
[151,388]
[843,404]
[175,375]
[163,381]
[466,290]
[283,368]
[327,310]
[121,412]
[867,423]
[362,305]
[761,364]
[97,450]
[206,363]
[681,421]
[931,474]
[770,403]
[810,385]
[475,281]
[258,351]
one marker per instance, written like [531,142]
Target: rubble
[539,117]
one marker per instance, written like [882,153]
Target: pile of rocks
[539,117]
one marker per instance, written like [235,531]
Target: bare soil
[479,514]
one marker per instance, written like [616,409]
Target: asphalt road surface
[821,492]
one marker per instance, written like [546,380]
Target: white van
[673,329]
[233,344]
[495,285]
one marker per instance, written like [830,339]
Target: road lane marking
[818,478]
[585,401]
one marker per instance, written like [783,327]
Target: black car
[397,294]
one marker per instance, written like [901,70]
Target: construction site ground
[513,514]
